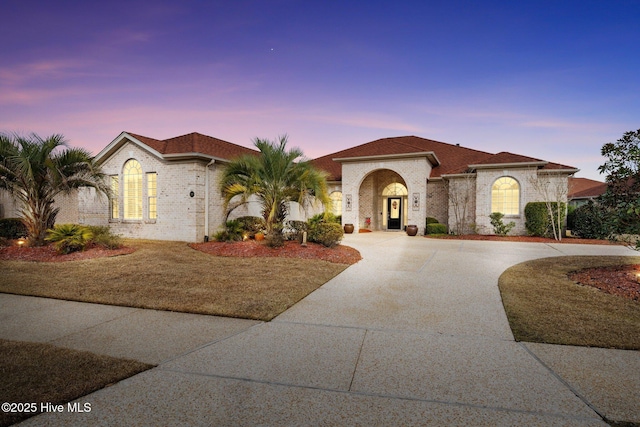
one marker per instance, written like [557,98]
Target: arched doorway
[394,203]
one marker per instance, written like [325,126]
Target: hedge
[436,229]
[537,218]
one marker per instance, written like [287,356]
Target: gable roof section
[192,145]
[450,159]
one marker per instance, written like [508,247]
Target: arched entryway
[383,201]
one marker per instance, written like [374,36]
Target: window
[505,196]
[395,189]
[132,176]
[152,193]
[114,201]
[336,202]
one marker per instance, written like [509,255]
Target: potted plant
[348,228]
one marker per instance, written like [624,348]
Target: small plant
[69,238]
[275,238]
[102,236]
[251,225]
[499,227]
[436,228]
[232,232]
[328,234]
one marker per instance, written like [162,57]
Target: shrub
[12,228]
[432,220]
[4,242]
[295,230]
[538,222]
[499,227]
[590,221]
[102,236]
[328,234]
[69,238]
[436,228]
[275,239]
[232,232]
[251,225]
[324,217]
[537,219]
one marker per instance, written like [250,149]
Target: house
[169,189]
[581,190]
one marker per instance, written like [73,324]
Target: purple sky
[548,79]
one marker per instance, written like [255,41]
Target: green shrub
[102,236]
[251,225]
[328,234]
[275,239]
[590,221]
[324,217]
[12,228]
[537,219]
[4,242]
[499,227]
[69,238]
[538,222]
[232,232]
[436,228]
[432,220]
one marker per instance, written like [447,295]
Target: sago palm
[275,177]
[36,170]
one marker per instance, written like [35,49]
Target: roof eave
[118,142]
[430,155]
[509,165]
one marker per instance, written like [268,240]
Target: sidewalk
[414,334]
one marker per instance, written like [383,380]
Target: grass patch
[172,276]
[41,373]
[544,305]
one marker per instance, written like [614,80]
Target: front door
[394,213]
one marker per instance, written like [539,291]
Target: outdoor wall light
[191,194]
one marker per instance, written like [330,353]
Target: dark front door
[394,213]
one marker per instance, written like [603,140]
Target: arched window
[132,197]
[395,189]
[505,196]
[336,202]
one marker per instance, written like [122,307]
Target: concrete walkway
[415,334]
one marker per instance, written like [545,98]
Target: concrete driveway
[414,334]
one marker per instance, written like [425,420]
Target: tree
[275,177]
[461,190]
[554,191]
[623,181]
[36,170]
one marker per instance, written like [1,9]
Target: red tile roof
[580,188]
[195,143]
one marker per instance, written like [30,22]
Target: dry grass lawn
[36,373]
[172,276]
[544,305]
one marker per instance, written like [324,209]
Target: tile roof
[195,143]
[580,188]
[453,158]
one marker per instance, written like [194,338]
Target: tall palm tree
[36,170]
[275,177]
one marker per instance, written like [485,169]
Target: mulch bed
[48,253]
[620,280]
[250,248]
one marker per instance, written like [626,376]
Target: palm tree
[275,178]
[36,170]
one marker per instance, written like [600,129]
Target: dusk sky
[553,80]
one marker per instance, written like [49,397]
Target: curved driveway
[414,334]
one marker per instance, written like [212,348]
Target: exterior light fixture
[21,242]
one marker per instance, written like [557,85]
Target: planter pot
[412,230]
[348,228]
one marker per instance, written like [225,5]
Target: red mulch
[48,253]
[531,239]
[250,248]
[620,280]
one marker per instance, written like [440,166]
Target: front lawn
[544,305]
[172,276]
